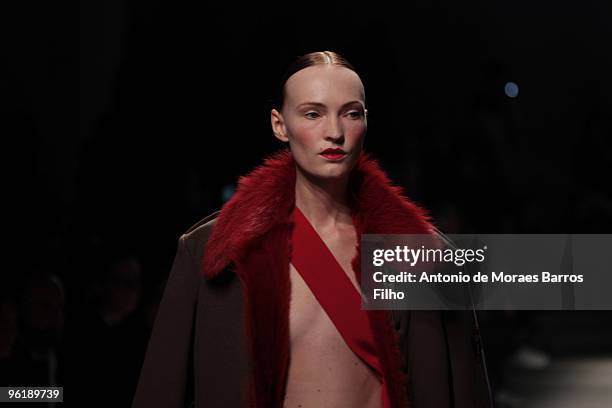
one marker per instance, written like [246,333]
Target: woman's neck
[324,202]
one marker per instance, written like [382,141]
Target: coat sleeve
[468,368]
[165,372]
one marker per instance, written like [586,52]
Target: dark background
[122,131]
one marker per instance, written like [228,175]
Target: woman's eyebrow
[322,105]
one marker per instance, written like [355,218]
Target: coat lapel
[253,234]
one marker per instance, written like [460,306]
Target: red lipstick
[333,154]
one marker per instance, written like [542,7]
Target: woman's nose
[334,131]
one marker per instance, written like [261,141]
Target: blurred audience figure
[107,337]
[120,291]
[43,327]
[31,331]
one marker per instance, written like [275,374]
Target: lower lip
[334,156]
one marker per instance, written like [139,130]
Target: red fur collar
[265,198]
[253,232]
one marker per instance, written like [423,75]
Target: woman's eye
[311,115]
[354,114]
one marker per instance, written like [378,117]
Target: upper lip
[336,150]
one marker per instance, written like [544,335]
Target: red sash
[335,293]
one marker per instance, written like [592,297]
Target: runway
[568,382]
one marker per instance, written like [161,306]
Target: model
[263,306]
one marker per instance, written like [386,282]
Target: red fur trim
[381,206]
[263,199]
[266,314]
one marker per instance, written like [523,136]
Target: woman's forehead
[324,84]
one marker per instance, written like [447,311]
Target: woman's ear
[278,125]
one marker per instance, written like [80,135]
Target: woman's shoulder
[204,223]
[196,236]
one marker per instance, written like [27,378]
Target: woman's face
[324,109]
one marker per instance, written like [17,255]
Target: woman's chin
[333,174]
[327,171]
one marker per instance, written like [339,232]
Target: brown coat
[221,337]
